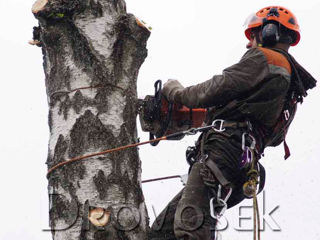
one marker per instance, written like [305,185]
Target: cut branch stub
[35,43]
[142,24]
[38,6]
[99,217]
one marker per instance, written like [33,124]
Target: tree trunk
[92,54]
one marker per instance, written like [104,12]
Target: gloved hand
[170,88]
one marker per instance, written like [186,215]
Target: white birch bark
[92,52]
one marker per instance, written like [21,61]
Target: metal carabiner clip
[220,203]
[220,128]
[246,158]
[253,143]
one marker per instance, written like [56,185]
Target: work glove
[170,88]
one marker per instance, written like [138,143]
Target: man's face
[252,42]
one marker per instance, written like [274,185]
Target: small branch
[35,43]
[39,6]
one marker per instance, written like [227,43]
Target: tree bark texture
[92,52]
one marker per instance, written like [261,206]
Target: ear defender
[270,34]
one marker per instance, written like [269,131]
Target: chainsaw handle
[157,90]
[157,101]
[165,123]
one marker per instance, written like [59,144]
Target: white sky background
[190,41]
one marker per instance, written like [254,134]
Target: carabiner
[253,143]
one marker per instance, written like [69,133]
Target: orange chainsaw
[160,117]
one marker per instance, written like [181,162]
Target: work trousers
[187,216]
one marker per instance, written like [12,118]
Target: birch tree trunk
[92,51]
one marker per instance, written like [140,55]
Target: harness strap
[217,172]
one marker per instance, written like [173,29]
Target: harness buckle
[220,128]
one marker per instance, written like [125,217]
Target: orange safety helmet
[274,13]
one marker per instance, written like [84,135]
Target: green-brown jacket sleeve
[235,81]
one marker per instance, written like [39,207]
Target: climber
[251,105]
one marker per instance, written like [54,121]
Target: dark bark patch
[56,10]
[64,107]
[88,132]
[102,99]
[85,221]
[36,35]
[96,8]
[50,120]
[105,235]
[122,235]
[78,102]
[124,34]
[55,40]
[101,184]
[85,59]
[68,175]
[59,151]
[122,181]
[129,115]
[63,209]
[136,44]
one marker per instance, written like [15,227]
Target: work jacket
[263,88]
[255,89]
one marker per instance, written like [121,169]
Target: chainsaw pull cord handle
[165,123]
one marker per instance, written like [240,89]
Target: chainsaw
[160,117]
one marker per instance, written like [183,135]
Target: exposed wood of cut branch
[35,42]
[38,6]
[99,217]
